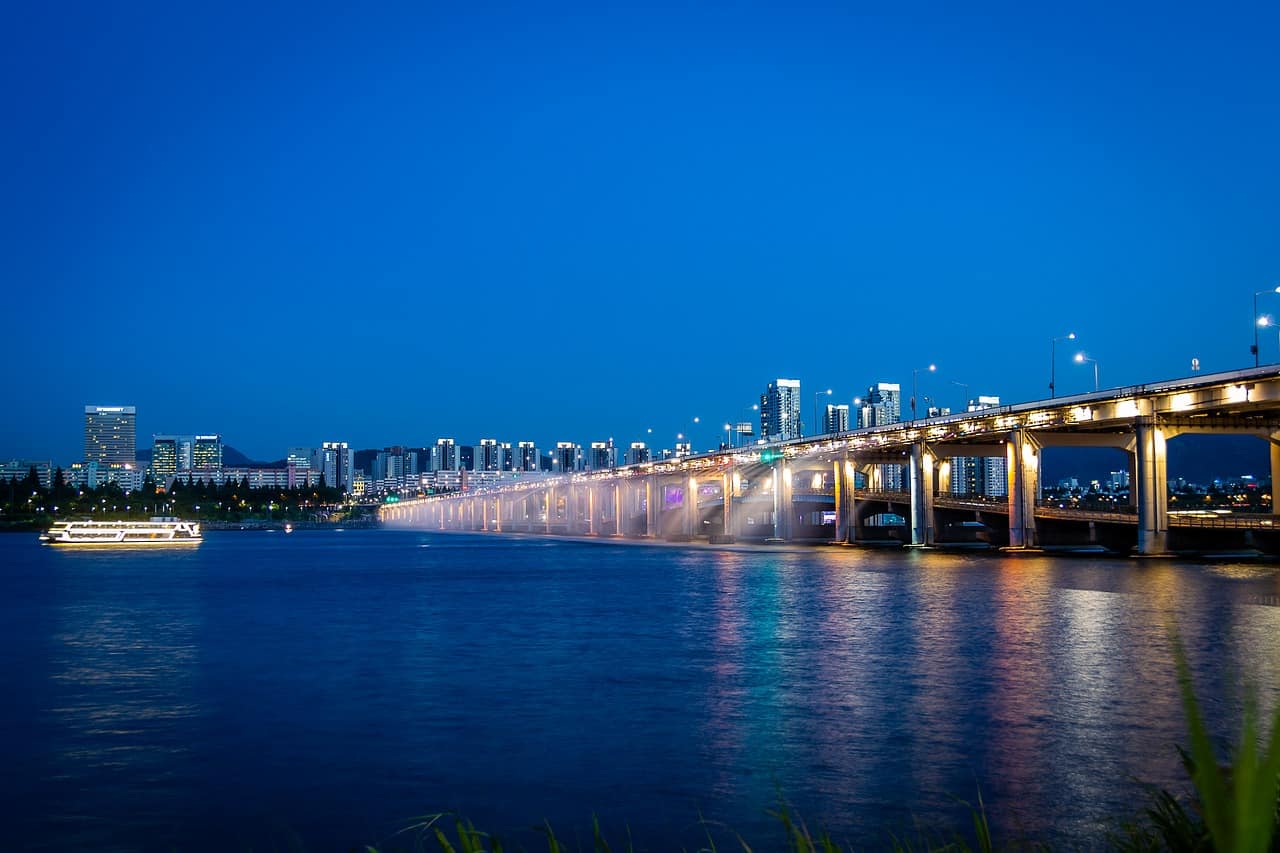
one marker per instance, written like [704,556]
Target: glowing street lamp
[1258,321]
[914,374]
[1053,357]
[1081,358]
[816,395]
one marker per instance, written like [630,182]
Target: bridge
[834,487]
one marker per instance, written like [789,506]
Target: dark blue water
[321,689]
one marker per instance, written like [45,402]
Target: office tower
[883,405]
[164,459]
[298,466]
[110,434]
[206,453]
[506,457]
[527,456]
[780,410]
[638,454]
[836,418]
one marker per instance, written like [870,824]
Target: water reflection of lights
[123,673]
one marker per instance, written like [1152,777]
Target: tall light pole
[1081,358]
[915,373]
[965,386]
[1257,321]
[1053,357]
[816,395]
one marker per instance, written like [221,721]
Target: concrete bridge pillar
[652,494]
[1152,488]
[617,507]
[591,510]
[1275,476]
[843,485]
[551,507]
[1023,471]
[689,516]
[920,479]
[782,503]
[728,485]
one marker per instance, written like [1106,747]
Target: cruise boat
[157,531]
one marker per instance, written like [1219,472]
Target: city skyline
[618,220]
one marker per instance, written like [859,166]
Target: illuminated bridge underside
[804,489]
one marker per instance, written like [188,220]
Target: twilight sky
[291,225]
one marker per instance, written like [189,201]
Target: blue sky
[296,224]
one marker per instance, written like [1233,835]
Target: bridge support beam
[591,510]
[1152,488]
[1023,467]
[921,476]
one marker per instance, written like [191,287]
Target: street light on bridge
[1257,321]
[914,374]
[1081,358]
[816,395]
[1053,357]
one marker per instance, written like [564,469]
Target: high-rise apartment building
[882,405]
[335,464]
[527,456]
[445,457]
[638,454]
[780,410]
[602,456]
[487,455]
[836,418]
[110,434]
[568,457]
[980,475]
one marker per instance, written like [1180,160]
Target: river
[323,688]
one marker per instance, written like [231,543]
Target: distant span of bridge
[805,490]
